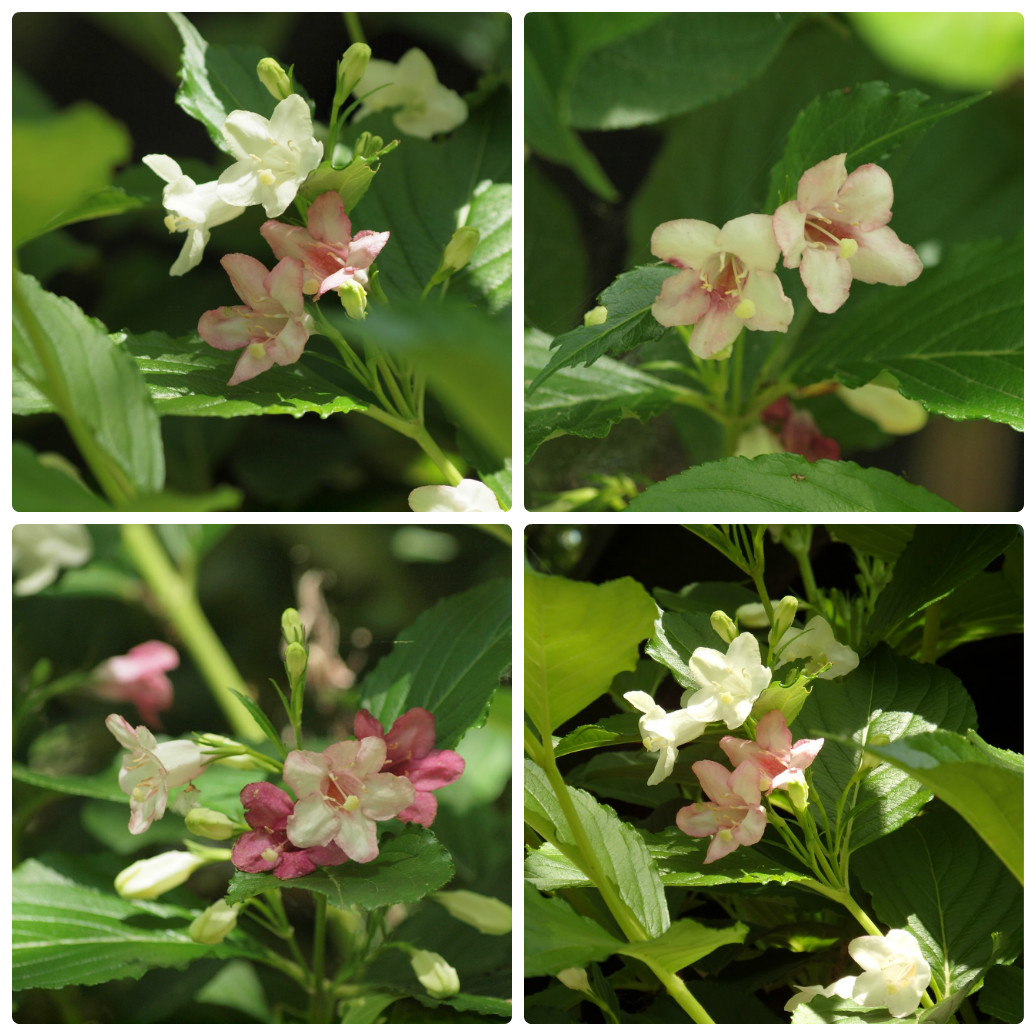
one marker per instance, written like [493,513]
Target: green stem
[182,609]
[317,1009]
[930,637]
[353,27]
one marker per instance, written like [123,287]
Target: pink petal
[153,656]
[247,854]
[827,278]
[751,239]
[294,864]
[287,347]
[773,734]
[364,248]
[266,805]
[698,820]
[435,770]
[883,259]
[789,228]
[357,837]
[865,199]
[682,300]
[248,277]
[738,749]
[412,737]
[313,822]
[422,811]
[326,855]
[687,243]
[714,778]
[819,186]
[751,829]
[365,725]
[745,783]
[284,284]
[285,239]
[804,752]
[715,330]
[248,366]
[326,219]
[226,328]
[304,772]
[385,795]
[720,847]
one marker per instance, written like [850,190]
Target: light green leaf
[66,933]
[100,786]
[59,160]
[677,636]
[448,662]
[487,277]
[683,943]
[407,867]
[786,482]
[614,730]
[40,486]
[556,937]
[936,879]
[106,201]
[577,637]
[90,381]
[867,122]
[586,401]
[966,363]
[985,792]
[618,848]
[629,323]
[215,80]
[887,695]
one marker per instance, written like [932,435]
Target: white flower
[470,495]
[434,973]
[274,155]
[148,879]
[426,107]
[191,207]
[817,643]
[895,973]
[216,923]
[729,684]
[39,552]
[152,769]
[663,732]
[842,988]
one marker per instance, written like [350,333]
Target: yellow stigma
[266,178]
[745,309]
[269,855]
[848,247]
[257,349]
[350,803]
[310,287]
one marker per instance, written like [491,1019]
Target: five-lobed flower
[468,495]
[778,762]
[733,816]
[663,732]
[727,684]
[817,643]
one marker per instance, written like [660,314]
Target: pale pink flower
[733,817]
[329,252]
[835,230]
[342,793]
[778,761]
[139,676]
[273,325]
[410,752]
[726,281]
[151,770]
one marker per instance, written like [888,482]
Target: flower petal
[313,822]
[326,219]
[819,185]
[865,199]
[687,243]
[248,276]
[827,278]
[752,240]
[773,309]
[789,228]
[883,259]
[715,329]
[682,300]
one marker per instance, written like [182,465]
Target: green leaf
[886,695]
[448,662]
[1002,994]
[935,879]
[91,382]
[629,323]
[937,560]
[677,636]
[586,401]
[786,482]
[880,541]
[215,80]
[577,637]
[407,867]
[683,943]
[98,786]
[866,122]
[985,792]
[618,848]
[556,937]
[60,160]
[952,339]
[39,484]
[106,201]
[681,62]
[66,933]
[615,730]
[487,277]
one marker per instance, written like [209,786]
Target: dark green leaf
[615,730]
[786,482]
[40,486]
[1002,995]
[880,541]
[677,636]
[448,662]
[107,201]
[629,323]
[556,937]
[100,786]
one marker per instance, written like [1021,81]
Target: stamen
[848,247]
[257,349]
[745,310]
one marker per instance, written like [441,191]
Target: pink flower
[777,760]
[798,432]
[726,281]
[273,325]
[329,253]
[835,230]
[342,793]
[139,676]
[410,753]
[151,770]
[734,816]
[267,846]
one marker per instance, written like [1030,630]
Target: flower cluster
[833,232]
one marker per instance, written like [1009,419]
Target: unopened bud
[870,760]
[490,916]
[591,318]
[296,658]
[352,67]
[460,248]
[798,794]
[724,625]
[208,823]
[434,973]
[354,300]
[291,627]
[274,78]
[148,879]
[575,978]
[215,924]
[783,617]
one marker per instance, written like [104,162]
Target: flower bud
[783,617]
[208,823]
[242,761]
[575,978]
[215,924]
[724,625]
[488,915]
[352,67]
[459,250]
[798,794]
[291,627]
[148,879]
[274,78]
[591,318]
[434,973]
[354,300]
[296,658]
